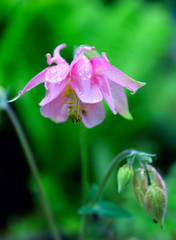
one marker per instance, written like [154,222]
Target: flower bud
[140,187]
[124,176]
[155,203]
[151,195]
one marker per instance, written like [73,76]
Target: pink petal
[120,100]
[39,78]
[53,90]
[56,80]
[75,60]
[57,73]
[95,114]
[83,83]
[57,58]
[55,110]
[81,50]
[102,67]
[47,85]
[57,51]
[106,92]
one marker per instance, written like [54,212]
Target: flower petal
[57,73]
[106,92]
[83,48]
[120,100]
[56,80]
[102,67]
[82,81]
[56,55]
[53,90]
[95,114]
[39,78]
[55,110]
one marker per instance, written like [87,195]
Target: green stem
[84,165]
[84,178]
[34,170]
[115,162]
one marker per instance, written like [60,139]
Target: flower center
[73,105]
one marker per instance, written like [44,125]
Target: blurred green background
[139,38]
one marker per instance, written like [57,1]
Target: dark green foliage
[106,209]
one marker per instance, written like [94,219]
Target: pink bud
[151,195]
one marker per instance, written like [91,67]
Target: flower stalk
[84,178]
[84,164]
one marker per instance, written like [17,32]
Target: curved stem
[116,161]
[84,178]
[34,170]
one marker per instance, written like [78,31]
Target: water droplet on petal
[89,76]
[80,74]
[53,70]
[59,79]
[86,69]
[132,93]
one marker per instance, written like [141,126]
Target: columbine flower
[78,89]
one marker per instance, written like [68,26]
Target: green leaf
[107,209]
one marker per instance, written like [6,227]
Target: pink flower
[78,89]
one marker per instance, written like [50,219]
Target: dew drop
[86,69]
[132,93]
[19,92]
[59,79]
[80,74]
[89,76]
[53,70]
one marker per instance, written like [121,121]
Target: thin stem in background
[31,162]
[84,178]
[115,162]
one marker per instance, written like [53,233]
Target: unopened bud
[124,176]
[152,196]
[155,203]
[140,187]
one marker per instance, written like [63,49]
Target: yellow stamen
[74,105]
[84,111]
[76,119]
